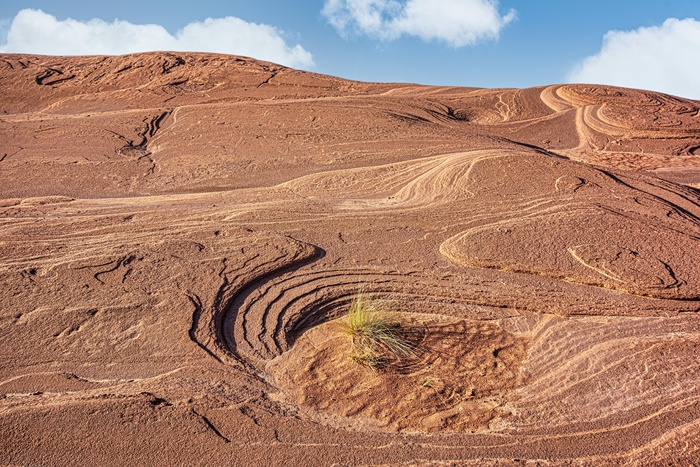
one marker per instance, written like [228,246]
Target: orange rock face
[180,232]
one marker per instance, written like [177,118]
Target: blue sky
[483,43]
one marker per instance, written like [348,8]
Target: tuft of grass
[430,382]
[366,357]
[374,338]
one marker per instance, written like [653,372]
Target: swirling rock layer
[179,234]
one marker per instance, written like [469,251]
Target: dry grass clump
[375,340]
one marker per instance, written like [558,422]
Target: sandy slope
[179,233]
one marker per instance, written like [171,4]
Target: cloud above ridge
[660,58]
[33,31]
[457,23]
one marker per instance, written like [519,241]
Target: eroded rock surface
[178,233]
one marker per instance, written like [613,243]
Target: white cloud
[455,22]
[660,58]
[33,31]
